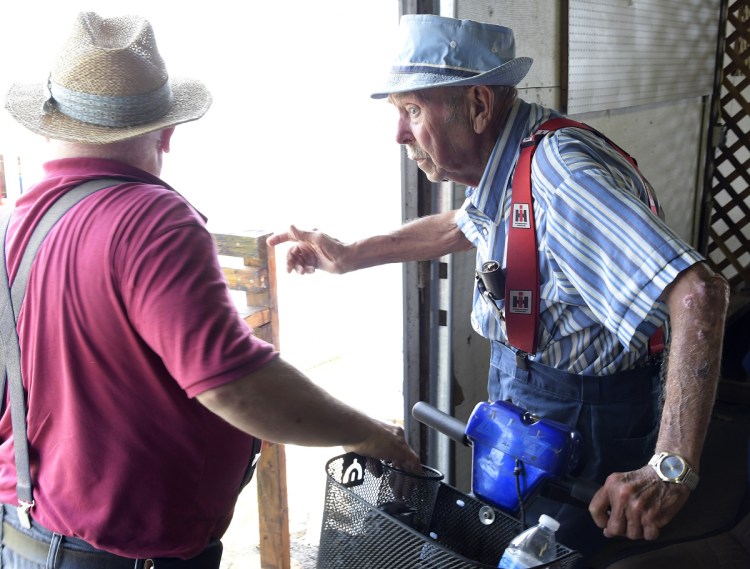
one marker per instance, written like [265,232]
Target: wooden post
[273,510]
[255,275]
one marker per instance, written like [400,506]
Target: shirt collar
[489,194]
[76,170]
[64,173]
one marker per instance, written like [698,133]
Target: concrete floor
[306,486]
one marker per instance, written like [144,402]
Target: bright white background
[292,137]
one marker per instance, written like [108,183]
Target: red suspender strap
[656,342]
[522,257]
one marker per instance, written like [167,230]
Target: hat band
[433,70]
[117,112]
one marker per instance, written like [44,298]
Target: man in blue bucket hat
[611,274]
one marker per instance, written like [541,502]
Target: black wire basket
[367,526]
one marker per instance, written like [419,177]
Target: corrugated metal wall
[628,53]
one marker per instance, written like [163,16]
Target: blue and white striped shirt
[605,258]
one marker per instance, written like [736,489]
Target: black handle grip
[440,421]
[584,490]
[576,488]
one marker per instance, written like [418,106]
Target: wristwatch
[673,468]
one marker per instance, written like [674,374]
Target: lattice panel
[728,246]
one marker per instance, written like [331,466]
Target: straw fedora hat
[435,51]
[108,84]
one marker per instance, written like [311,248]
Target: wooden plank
[255,275]
[249,245]
[273,508]
[248,279]
[264,332]
[272,491]
[258,317]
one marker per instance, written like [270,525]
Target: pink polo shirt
[126,319]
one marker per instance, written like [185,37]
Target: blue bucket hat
[436,52]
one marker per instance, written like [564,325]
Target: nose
[404,134]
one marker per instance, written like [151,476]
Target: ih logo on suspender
[520,302]
[521,216]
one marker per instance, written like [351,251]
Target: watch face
[672,467]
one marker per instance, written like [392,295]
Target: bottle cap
[549,521]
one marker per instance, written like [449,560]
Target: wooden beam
[251,268]
[273,509]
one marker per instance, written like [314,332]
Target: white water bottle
[535,546]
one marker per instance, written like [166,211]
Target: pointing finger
[277,238]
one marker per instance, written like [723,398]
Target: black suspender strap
[11,299]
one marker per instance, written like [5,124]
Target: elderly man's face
[435,128]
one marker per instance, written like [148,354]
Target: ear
[481,101]
[165,138]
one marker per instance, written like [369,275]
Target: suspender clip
[23,513]
[522,360]
[532,139]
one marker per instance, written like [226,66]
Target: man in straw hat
[611,274]
[145,388]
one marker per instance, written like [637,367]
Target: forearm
[697,304]
[280,404]
[422,239]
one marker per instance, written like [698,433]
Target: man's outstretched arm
[422,239]
[278,403]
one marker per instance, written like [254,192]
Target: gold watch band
[677,470]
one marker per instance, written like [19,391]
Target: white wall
[292,137]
